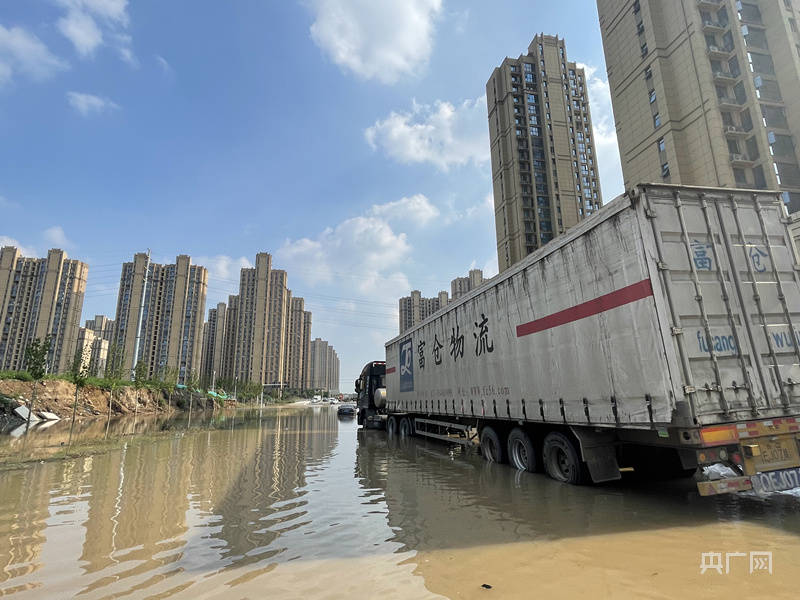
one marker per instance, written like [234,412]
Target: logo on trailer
[406,366]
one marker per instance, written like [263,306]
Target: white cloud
[56,237]
[88,104]
[23,53]
[162,62]
[26,251]
[364,248]
[417,209]
[6,204]
[222,267]
[89,24]
[605,134]
[383,40]
[441,134]
[81,29]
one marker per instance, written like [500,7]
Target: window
[665,169]
[529,78]
[740,177]
[657,120]
[534,131]
[648,73]
[652,96]
[636,7]
[513,68]
[528,67]
[661,145]
[644,49]
[640,28]
[793,25]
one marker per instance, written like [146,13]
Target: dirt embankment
[58,396]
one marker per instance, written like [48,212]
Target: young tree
[113,375]
[36,363]
[139,381]
[79,375]
[169,379]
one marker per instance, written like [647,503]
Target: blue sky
[346,137]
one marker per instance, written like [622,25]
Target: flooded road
[296,503]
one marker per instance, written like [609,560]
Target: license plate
[775,481]
[775,453]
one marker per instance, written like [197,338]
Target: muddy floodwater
[298,503]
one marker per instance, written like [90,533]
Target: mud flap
[599,452]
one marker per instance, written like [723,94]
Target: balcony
[735,131]
[719,52]
[711,26]
[709,3]
[724,77]
[741,160]
[729,103]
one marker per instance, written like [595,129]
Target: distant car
[326,400]
[334,401]
[316,400]
[346,410]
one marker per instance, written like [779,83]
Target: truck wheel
[406,427]
[391,425]
[360,417]
[491,446]
[561,459]
[521,451]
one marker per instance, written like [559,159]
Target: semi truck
[659,334]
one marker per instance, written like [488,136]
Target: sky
[348,138]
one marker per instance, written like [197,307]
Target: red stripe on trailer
[620,297]
[391,370]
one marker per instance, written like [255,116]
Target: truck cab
[371,389]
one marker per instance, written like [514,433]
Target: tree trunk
[30,408]
[74,410]
[110,404]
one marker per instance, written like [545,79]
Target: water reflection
[294,502]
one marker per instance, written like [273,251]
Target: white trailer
[660,333]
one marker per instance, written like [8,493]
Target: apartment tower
[414,309]
[169,300]
[213,343]
[250,358]
[706,92]
[40,297]
[544,164]
[297,341]
[279,301]
[463,285]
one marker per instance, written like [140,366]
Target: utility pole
[141,316]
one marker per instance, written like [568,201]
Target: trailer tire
[391,425]
[562,461]
[406,427]
[492,448]
[521,451]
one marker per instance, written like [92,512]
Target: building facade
[298,338]
[324,367]
[544,164]
[213,343]
[250,353]
[414,309]
[40,297]
[277,328]
[463,285]
[705,92]
[171,301]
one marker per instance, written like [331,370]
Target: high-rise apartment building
[214,343]
[414,309]
[298,338]
[40,297]
[306,336]
[324,366]
[229,341]
[706,92]
[279,301]
[544,164]
[462,285]
[169,301]
[250,358]
[101,326]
